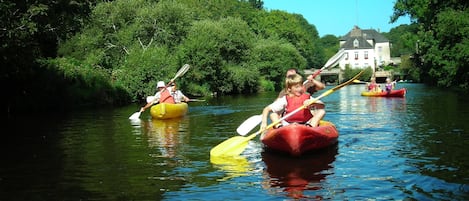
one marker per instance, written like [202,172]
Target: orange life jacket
[294,103]
[165,97]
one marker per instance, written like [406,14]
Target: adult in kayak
[177,94]
[294,99]
[162,96]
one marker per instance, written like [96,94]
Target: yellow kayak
[168,111]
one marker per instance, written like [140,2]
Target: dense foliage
[442,40]
[230,45]
[113,52]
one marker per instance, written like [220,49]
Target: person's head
[372,80]
[388,80]
[291,71]
[294,84]
[160,85]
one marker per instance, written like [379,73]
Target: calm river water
[412,148]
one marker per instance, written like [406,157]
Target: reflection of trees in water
[168,135]
[294,175]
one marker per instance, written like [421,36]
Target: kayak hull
[297,139]
[393,93]
[168,111]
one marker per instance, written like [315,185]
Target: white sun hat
[160,84]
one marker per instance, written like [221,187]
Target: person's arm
[265,114]
[184,97]
[149,104]
[319,85]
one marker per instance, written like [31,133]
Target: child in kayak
[372,86]
[295,97]
[311,85]
[389,85]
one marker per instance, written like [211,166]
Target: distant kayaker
[372,86]
[162,96]
[294,99]
[178,95]
[389,85]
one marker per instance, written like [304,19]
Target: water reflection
[297,175]
[167,135]
[234,166]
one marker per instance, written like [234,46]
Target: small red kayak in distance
[296,139]
[392,93]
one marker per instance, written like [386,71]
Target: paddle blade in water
[249,124]
[135,115]
[230,147]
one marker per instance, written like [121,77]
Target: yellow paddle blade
[230,147]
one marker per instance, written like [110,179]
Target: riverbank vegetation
[441,41]
[68,54]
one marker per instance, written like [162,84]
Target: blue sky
[338,17]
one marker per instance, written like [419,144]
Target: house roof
[362,35]
[362,43]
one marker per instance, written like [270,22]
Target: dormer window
[355,43]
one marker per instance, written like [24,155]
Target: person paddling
[295,98]
[162,96]
[389,85]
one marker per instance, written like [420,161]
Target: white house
[364,48]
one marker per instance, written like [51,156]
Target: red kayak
[393,93]
[296,139]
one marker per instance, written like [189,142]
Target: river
[411,148]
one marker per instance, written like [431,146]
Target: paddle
[253,121]
[235,145]
[180,72]
[249,124]
[331,62]
[196,100]
[152,98]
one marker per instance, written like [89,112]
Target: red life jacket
[165,97]
[372,86]
[294,103]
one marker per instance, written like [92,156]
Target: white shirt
[178,96]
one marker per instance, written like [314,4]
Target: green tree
[272,58]
[443,40]
[213,47]
[293,28]
[403,38]
[330,44]
[31,30]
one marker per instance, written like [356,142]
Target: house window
[380,49]
[366,54]
[346,56]
[356,55]
[355,43]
